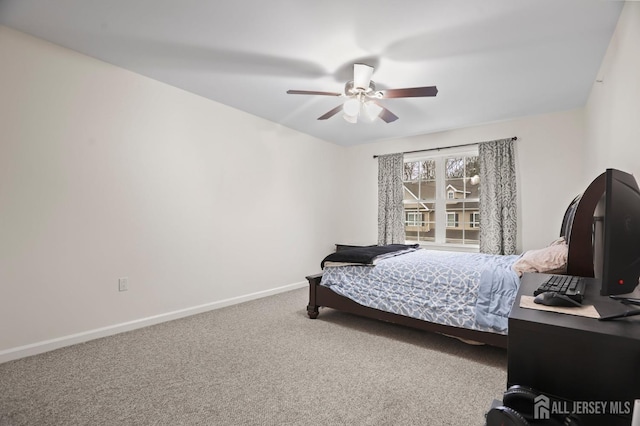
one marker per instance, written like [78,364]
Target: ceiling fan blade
[312,92]
[331,113]
[362,76]
[386,115]
[413,92]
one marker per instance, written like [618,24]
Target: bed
[463,295]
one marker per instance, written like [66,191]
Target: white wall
[105,173]
[613,109]
[549,168]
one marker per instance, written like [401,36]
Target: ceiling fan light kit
[352,107]
[357,107]
[362,95]
[353,119]
[362,76]
[372,109]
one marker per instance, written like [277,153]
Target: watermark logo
[541,407]
[544,407]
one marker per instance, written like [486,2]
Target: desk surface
[624,327]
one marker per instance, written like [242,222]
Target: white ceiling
[490,59]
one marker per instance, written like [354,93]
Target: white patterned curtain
[390,209]
[498,221]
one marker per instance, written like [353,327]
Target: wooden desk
[575,358]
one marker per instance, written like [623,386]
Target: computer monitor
[616,234]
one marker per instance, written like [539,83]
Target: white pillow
[549,260]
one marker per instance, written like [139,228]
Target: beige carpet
[258,363]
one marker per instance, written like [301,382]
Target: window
[452,220]
[475,220]
[441,196]
[413,218]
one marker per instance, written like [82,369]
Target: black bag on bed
[366,255]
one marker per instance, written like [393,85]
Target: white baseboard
[49,345]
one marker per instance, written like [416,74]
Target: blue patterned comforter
[468,290]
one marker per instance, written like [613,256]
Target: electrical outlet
[123,284]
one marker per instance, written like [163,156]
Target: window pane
[472,167]
[473,188]
[467,230]
[454,167]
[419,179]
[467,223]
[419,221]
[411,171]
[472,236]
[428,190]
[454,236]
[472,206]
[411,191]
[428,170]
[462,236]
[472,177]
[455,189]
[462,167]
[455,178]
[454,232]
[462,178]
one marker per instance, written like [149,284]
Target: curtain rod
[515,138]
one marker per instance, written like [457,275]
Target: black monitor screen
[617,234]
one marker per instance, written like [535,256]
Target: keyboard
[567,285]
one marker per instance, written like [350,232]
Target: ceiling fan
[363,97]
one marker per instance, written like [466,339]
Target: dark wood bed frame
[580,263]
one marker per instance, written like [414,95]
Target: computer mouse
[551,298]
